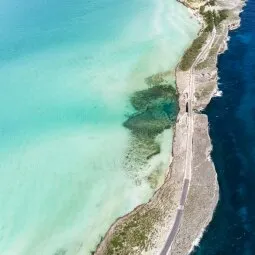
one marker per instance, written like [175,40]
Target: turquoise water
[67,70]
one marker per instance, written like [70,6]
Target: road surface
[188,159]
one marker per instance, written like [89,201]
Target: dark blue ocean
[232,129]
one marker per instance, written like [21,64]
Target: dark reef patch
[142,99]
[60,252]
[156,108]
[158,115]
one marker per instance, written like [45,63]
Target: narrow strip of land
[188,158]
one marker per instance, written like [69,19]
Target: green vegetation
[211,3]
[223,14]
[192,52]
[209,19]
[134,233]
[212,19]
[211,58]
[202,9]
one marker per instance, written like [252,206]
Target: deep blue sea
[232,129]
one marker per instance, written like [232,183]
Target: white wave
[218,93]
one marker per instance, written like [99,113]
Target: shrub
[192,52]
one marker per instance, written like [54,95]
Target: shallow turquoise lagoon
[67,70]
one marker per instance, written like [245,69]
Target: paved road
[184,192]
[173,231]
[188,159]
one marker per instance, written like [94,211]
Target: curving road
[188,159]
